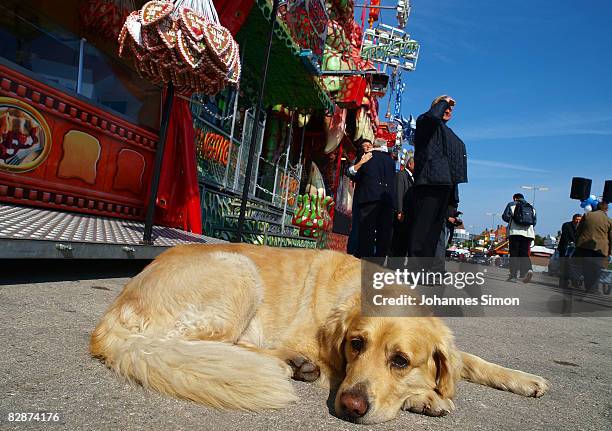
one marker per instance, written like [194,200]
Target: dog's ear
[445,371]
[333,333]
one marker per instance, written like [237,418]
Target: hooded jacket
[440,157]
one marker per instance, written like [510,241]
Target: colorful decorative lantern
[374,12]
[312,216]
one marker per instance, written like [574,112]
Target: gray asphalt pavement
[45,366]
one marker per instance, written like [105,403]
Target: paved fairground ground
[45,366]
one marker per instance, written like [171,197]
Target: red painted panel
[233,13]
[57,151]
[352,92]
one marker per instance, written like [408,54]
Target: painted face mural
[25,138]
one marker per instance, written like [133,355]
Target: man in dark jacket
[440,165]
[404,190]
[363,155]
[568,235]
[374,195]
[567,240]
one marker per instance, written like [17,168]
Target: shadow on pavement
[19,271]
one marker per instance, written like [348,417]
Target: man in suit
[363,155]
[440,165]
[594,245]
[374,197]
[567,240]
[404,189]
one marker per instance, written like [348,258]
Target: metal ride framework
[390,46]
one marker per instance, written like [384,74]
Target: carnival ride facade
[81,127]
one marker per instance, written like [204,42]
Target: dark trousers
[519,255]
[439,263]
[431,204]
[375,229]
[352,246]
[568,272]
[591,263]
[401,238]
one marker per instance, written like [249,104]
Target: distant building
[461,235]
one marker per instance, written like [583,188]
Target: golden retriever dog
[229,325]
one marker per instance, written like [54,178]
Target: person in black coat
[568,234]
[374,197]
[404,189]
[363,155]
[440,165]
[568,237]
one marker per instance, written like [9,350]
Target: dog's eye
[357,344]
[399,361]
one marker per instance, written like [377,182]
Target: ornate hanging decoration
[312,216]
[104,17]
[307,22]
[170,42]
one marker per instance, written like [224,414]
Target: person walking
[567,244]
[594,245]
[404,188]
[521,218]
[440,165]
[374,197]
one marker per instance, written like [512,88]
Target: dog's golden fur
[228,325]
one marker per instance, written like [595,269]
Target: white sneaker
[527,277]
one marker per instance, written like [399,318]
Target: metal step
[36,233]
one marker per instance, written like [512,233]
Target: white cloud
[502,165]
[558,125]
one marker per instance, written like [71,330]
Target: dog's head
[389,360]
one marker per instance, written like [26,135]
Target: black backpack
[523,214]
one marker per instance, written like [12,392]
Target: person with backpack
[521,218]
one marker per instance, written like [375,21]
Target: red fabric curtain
[233,13]
[178,197]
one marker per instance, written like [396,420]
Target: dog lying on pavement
[228,325]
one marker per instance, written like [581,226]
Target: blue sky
[533,87]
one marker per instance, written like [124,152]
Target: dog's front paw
[430,404]
[532,386]
[304,369]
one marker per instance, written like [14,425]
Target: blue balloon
[591,202]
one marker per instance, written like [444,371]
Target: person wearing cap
[440,165]
[374,199]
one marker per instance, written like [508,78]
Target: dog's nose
[354,405]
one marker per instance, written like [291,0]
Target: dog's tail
[477,370]
[217,374]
